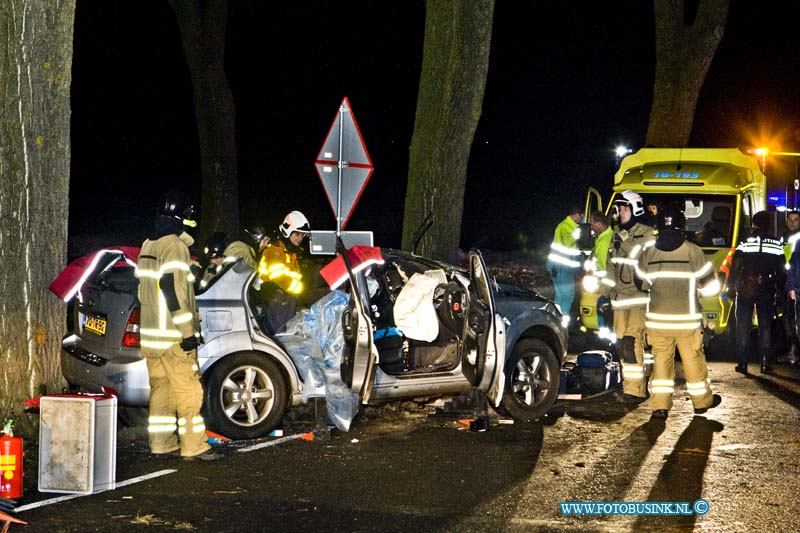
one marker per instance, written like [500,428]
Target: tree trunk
[35,77]
[202,26]
[683,54]
[454,65]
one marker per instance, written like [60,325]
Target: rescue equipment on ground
[11,455]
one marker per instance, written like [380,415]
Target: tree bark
[684,52]
[452,81]
[35,77]
[202,26]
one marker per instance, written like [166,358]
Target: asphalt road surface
[405,467]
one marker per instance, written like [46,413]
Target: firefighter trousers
[175,389]
[629,329]
[662,381]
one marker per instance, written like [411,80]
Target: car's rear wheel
[245,396]
[532,379]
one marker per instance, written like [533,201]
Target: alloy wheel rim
[531,379]
[247,396]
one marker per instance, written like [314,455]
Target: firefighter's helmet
[294,221]
[631,199]
[256,233]
[216,244]
[671,218]
[176,204]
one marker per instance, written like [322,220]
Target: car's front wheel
[245,396]
[532,380]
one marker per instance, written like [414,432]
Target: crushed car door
[482,364]
[360,356]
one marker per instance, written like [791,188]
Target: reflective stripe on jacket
[161,327]
[280,267]
[239,249]
[564,249]
[674,278]
[758,267]
[626,248]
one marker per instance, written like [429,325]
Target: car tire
[229,412]
[532,380]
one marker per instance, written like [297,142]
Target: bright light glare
[762,151]
[621,151]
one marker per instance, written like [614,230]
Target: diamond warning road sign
[343,164]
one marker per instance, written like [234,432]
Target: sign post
[343,165]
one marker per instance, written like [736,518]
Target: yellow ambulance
[718,189]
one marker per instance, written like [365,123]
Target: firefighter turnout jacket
[280,266]
[675,273]
[166,292]
[239,249]
[168,316]
[619,283]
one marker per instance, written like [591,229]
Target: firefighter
[757,278]
[619,291]
[170,332]
[674,270]
[565,261]
[279,260]
[791,336]
[220,251]
[259,237]
[280,270]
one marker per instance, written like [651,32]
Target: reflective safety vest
[163,323]
[280,267]
[564,249]
[623,255]
[674,278]
[789,240]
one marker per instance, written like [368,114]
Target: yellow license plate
[95,325]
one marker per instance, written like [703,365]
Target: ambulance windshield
[709,217]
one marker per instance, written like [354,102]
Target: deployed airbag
[414,313]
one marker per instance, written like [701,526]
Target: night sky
[567,82]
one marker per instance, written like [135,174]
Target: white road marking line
[125,483]
[270,443]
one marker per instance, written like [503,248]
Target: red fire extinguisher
[10,463]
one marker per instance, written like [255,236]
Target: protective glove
[189,343]
[603,304]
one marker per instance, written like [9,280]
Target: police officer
[620,291]
[565,261]
[674,269]
[791,336]
[757,278]
[170,332]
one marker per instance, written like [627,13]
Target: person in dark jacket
[757,278]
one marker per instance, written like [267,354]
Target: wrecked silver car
[404,328]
